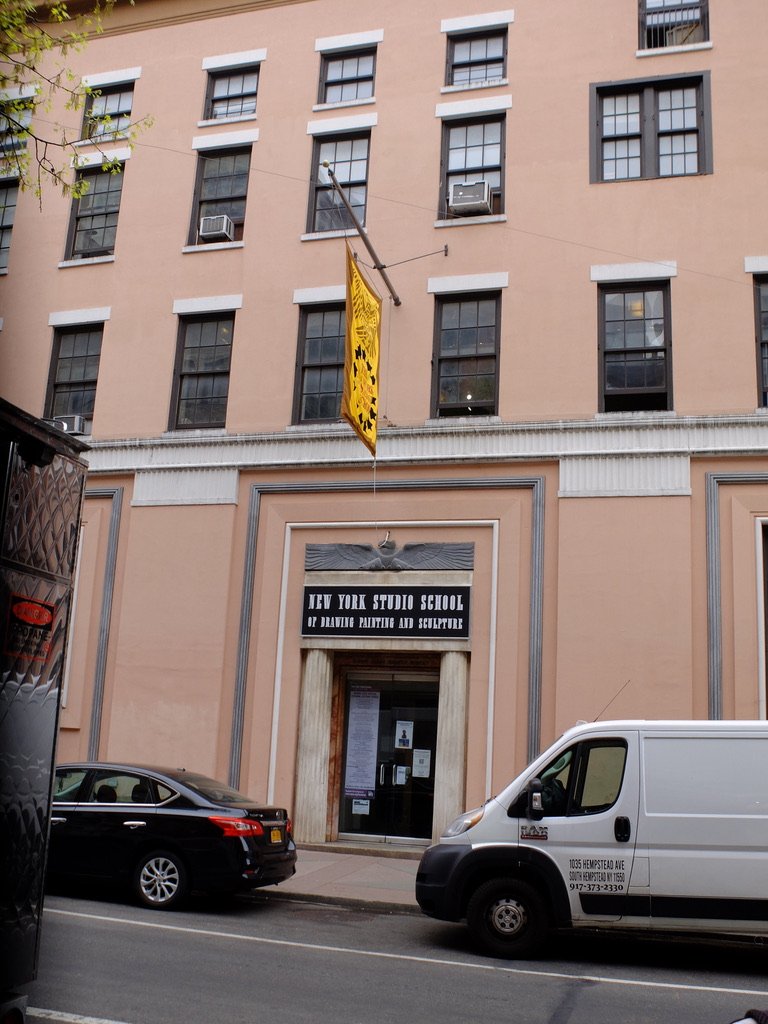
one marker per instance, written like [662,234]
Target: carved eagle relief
[388,557]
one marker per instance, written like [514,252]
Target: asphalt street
[264,958]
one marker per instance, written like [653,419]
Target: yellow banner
[360,398]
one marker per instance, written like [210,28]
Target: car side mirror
[535,803]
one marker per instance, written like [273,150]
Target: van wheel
[160,880]
[508,918]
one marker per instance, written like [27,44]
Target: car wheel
[160,880]
[508,918]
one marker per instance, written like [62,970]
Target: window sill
[3,271]
[187,432]
[87,261]
[213,246]
[213,121]
[471,86]
[316,236]
[462,222]
[462,421]
[345,103]
[661,50]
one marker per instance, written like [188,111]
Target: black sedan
[165,831]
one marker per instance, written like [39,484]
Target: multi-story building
[567,513]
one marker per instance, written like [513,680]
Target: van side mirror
[535,803]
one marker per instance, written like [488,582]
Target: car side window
[66,785]
[121,788]
[599,778]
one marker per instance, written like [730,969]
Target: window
[586,779]
[635,347]
[320,365]
[94,215]
[761,320]
[673,23]
[473,151]
[201,383]
[222,188]
[15,119]
[232,93]
[466,347]
[348,158]
[74,372]
[347,76]
[481,57]
[658,129]
[9,190]
[108,112]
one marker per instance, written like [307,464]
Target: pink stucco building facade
[571,460]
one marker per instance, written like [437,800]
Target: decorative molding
[756,264]
[470,108]
[96,159]
[226,140]
[387,557]
[609,475]
[207,304]
[186,487]
[234,60]
[73,317]
[311,296]
[468,283]
[125,75]
[659,270]
[497,19]
[352,41]
[337,125]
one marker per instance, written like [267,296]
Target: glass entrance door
[388,775]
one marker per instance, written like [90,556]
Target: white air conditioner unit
[217,229]
[469,197]
[70,424]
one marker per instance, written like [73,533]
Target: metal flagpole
[378,265]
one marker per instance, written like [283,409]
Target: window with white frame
[761,330]
[9,191]
[231,93]
[652,129]
[221,191]
[347,76]
[472,154]
[108,111]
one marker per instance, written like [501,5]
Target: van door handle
[382,767]
[58,821]
[622,829]
[134,824]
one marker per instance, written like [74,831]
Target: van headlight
[464,822]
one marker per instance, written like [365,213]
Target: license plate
[275,835]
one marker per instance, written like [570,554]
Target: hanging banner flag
[360,398]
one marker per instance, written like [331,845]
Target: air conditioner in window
[217,229]
[70,424]
[469,197]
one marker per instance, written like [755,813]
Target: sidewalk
[330,875]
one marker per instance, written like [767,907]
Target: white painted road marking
[68,1018]
[239,937]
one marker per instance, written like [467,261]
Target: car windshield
[218,792]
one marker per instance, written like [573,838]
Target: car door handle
[382,767]
[622,829]
[58,821]
[134,824]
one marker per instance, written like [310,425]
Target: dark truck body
[42,482]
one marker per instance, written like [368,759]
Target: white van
[632,825]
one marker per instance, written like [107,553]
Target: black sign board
[369,611]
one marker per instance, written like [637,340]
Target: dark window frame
[180,374]
[216,75]
[648,132]
[61,385]
[328,58]
[7,217]
[304,363]
[635,399]
[445,409]
[654,24]
[334,209]
[94,125]
[199,201]
[447,175]
[761,337]
[452,64]
[84,209]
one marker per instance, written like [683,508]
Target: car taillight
[238,826]
[289,827]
